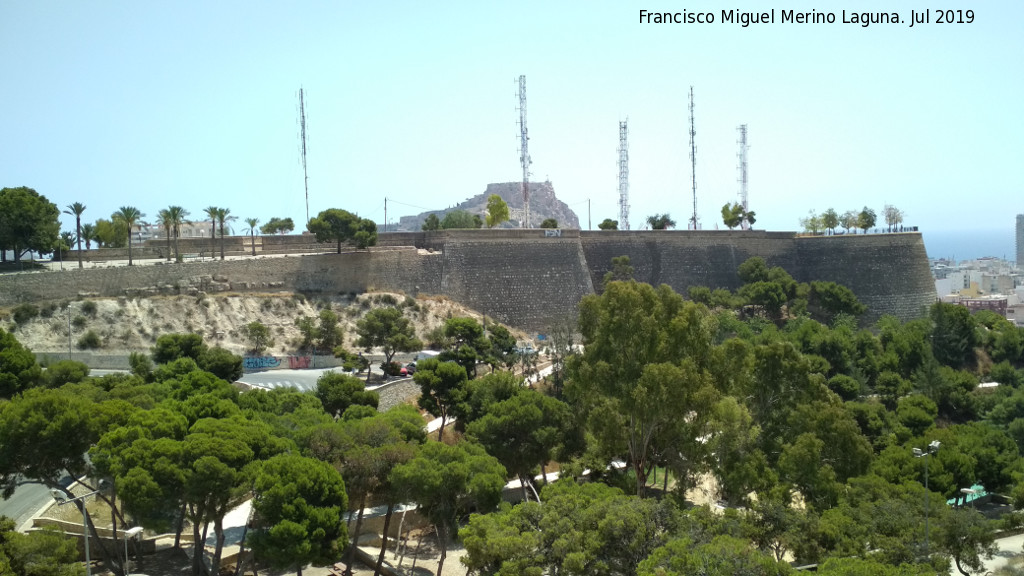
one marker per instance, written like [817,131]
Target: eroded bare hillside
[133,324]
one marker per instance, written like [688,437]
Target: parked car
[409,369]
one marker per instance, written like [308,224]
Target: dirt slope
[126,325]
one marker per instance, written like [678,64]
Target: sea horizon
[964,244]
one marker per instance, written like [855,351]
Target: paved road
[304,380]
[1010,547]
[26,501]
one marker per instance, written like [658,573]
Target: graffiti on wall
[269,362]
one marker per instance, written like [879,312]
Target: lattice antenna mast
[623,175]
[694,223]
[524,151]
[743,171]
[302,144]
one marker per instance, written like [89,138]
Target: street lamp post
[63,498]
[69,331]
[130,533]
[932,448]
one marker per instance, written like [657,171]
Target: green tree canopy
[723,556]
[170,347]
[128,217]
[223,217]
[549,223]
[388,329]
[46,552]
[460,219]
[732,214]
[830,220]
[299,505]
[576,530]
[523,432]
[608,224]
[442,387]
[18,367]
[258,335]
[447,481]
[467,343]
[251,223]
[645,360]
[866,219]
[954,334]
[76,210]
[339,391]
[431,222]
[497,211]
[660,222]
[44,435]
[342,226]
[278,226]
[28,221]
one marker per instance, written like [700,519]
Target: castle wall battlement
[525,278]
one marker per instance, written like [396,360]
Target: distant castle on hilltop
[543,205]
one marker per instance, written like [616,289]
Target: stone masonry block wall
[888,272]
[526,282]
[358,271]
[524,278]
[682,258]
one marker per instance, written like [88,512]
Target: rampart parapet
[525,278]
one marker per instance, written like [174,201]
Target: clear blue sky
[195,103]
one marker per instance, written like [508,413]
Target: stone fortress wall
[525,278]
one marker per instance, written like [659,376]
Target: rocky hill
[543,204]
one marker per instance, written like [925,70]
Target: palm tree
[165,219]
[252,222]
[130,216]
[77,208]
[211,213]
[223,215]
[661,222]
[88,234]
[177,215]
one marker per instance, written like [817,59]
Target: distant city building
[1020,240]
[997,304]
[981,284]
[189,229]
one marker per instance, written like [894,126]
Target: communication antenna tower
[743,171]
[623,175]
[302,144]
[524,151]
[694,222]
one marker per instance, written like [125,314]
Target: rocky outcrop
[543,204]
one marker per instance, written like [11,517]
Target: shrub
[391,369]
[221,363]
[64,372]
[47,310]
[89,341]
[171,347]
[89,308]
[24,312]
[79,322]
[258,336]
